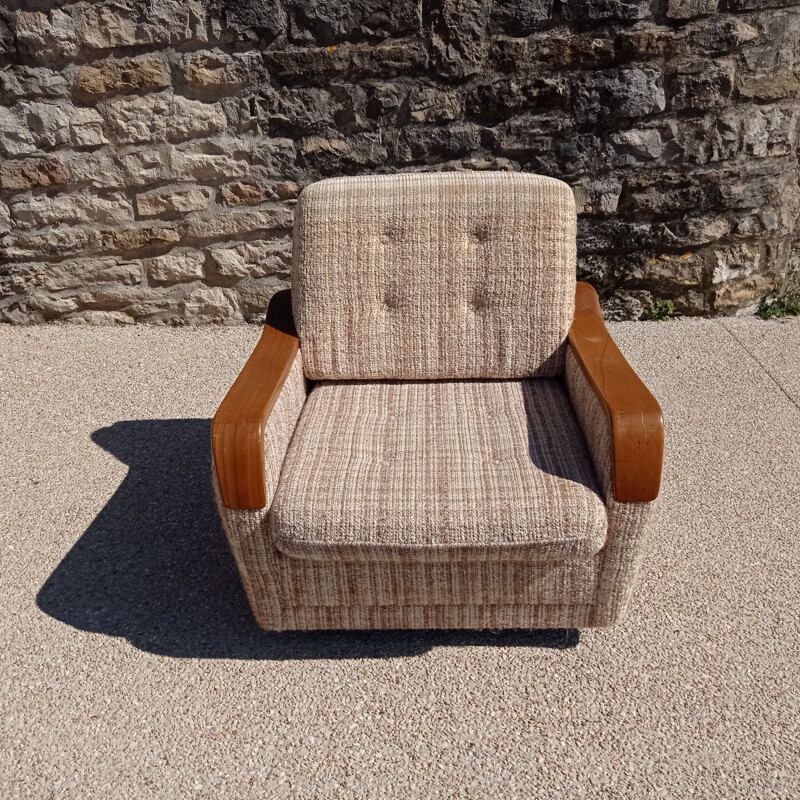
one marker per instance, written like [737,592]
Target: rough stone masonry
[151,151]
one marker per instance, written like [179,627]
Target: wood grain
[637,424]
[237,431]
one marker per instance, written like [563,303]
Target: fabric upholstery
[627,522]
[444,503]
[434,276]
[445,616]
[289,593]
[438,471]
[335,583]
[244,528]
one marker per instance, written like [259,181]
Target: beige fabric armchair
[449,439]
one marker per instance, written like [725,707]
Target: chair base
[432,617]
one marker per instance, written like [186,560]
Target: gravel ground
[130,665]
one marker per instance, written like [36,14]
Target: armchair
[450,438]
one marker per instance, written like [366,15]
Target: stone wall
[151,150]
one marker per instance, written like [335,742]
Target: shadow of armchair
[154,567]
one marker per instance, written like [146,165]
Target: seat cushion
[434,276]
[438,471]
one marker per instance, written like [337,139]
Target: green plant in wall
[660,311]
[787,304]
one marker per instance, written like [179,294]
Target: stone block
[223,159]
[576,51]
[527,134]
[437,144]
[654,43]
[638,146]
[233,224]
[20,82]
[595,10]
[55,124]
[51,35]
[94,317]
[599,196]
[211,304]
[520,16]
[621,93]
[248,18]
[139,238]
[401,57]
[287,190]
[427,104]
[310,65]
[686,9]
[144,167]
[62,241]
[31,173]
[70,208]
[177,266]
[494,100]
[105,25]
[458,37]
[687,269]
[15,137]
[114,77]
[254,259]
[78,273]
[173,201]
[329,23]
[329,155]
[5,218]
[720,34]
[300,112]
[98,169]
[161,117]
[243,194]
[216,71]
[702,85]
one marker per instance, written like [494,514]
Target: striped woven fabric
[438,471]
[627,522]
[435,275]
[298,593]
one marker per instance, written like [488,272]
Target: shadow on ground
[154,567]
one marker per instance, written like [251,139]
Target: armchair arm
[238,428]
[637,425]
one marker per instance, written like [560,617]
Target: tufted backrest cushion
[434,275]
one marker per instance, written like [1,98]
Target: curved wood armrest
[637,424]
[237,431]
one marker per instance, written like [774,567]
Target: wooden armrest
[237,431]
[637,424]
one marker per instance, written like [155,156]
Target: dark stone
[723,34]
[265,16]
[593,10]
[495,100]
[701,86]
[336,156]
[331,21]
[430,145]
[458,37]
[300,112]
[618,94]
[520,16]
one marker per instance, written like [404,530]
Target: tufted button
[389,235]
[478,302]
[480,233]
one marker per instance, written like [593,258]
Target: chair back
[434,276]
